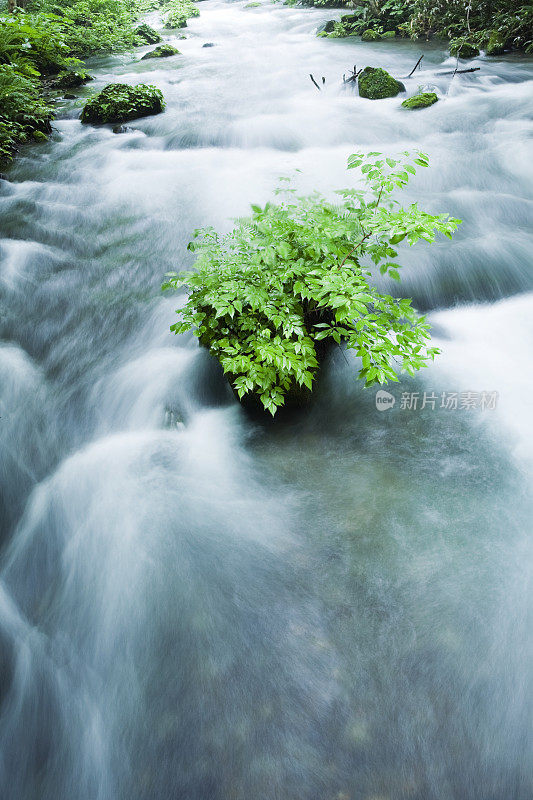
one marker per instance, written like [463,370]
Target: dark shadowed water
[194,606]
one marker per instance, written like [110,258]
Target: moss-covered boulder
[119,102]
[147,34]
[389,35]
[162,51]
[376,83]
[463,49]
[370,36]
[422,100]
[496,44]
[327,27]
[70,79]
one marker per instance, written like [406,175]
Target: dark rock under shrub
[496,44]
[70,79]
[463,49]
[147,34]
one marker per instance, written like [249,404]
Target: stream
[195,605]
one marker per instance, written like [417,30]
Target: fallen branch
[316,84]
[459,71]
[416,65]
[354,75]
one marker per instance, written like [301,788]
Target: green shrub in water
[463,49]
[147,34]
[179,11]
[298,275]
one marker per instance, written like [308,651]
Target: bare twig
[316,84]
[416,65]
[459,71]
[353,76]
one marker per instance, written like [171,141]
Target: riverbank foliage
[41,45]
[299,275]
[507,22]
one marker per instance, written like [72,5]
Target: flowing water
[196,605]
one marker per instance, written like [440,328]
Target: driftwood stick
[353,77]
[316,84]
[416,65]
[459,71]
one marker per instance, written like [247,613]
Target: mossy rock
[147,34]
[389,35]
[496,44]
[162,51]
[70,79]
[39,136]
[376,84]
[119,102]
[462,49]
[422,100]
[328,26]
[252,5]
[370,36]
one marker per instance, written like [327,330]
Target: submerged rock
[122,129]
[463,49]
[118,102]
[147,34]
[162,51]
[376,84]
[422,100]
[69,96]
[496,44]
[370,36]
[208,44]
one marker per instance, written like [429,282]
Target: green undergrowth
[174,13]
[42,45]
[491,25]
